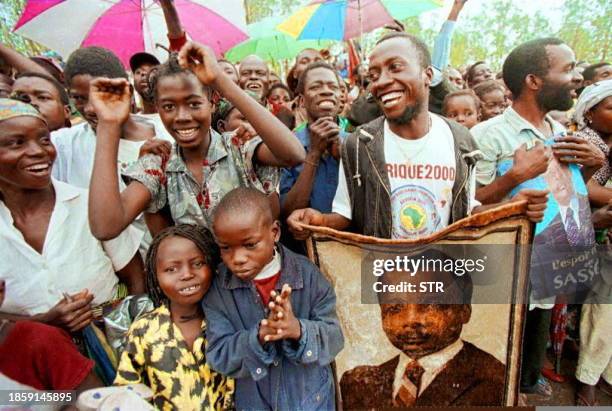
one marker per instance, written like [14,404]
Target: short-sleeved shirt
[499,137]
[157,355]
[43,357]
[229,164]
[326,176]
[604,173]
[72,258]
[76,147]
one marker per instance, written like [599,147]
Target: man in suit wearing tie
[435,367]
[568,235]
[572,225]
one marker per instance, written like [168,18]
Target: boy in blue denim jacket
[278,345]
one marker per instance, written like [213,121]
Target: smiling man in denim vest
[409,173]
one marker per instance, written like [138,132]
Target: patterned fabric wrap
[13,108]
[157,355]
[604,173]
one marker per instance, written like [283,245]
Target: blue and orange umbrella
[347,19]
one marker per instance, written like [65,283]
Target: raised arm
[20,62]
[456,9]
[442,45]
[281,147]
[111,211]
[176,34]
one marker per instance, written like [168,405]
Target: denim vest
[363,158]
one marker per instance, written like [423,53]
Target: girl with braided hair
[166,348]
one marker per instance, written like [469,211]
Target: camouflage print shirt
[228,164]
[157,355]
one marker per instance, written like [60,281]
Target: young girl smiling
[165,348]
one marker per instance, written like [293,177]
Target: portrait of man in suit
[571,226]
[565,234]
[435,367]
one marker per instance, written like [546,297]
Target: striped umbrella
[347,19]
[270,44]
[129,26]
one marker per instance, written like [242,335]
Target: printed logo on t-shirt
[417,211]
[421,171]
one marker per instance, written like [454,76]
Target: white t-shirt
[76,147]
[72,258]
[421,174]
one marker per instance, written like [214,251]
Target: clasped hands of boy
[281,324]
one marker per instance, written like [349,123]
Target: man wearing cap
[141,65]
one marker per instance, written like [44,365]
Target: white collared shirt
[72,258]
[433,364]
[76,147]
[271,269]
[575,206]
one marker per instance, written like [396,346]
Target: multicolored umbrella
[270,44]
[129,26]
[347,19]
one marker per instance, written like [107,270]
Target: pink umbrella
[129,26]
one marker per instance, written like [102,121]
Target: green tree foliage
[493,33]
[502,26]
[586,28]
[258,9]
[489,36]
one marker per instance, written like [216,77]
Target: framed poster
[470,349]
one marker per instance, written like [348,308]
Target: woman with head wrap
[593,115]
[55,269]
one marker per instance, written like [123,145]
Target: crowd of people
[190,182]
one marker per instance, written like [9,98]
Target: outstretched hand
[111,99]
[201,60]
[304,216]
